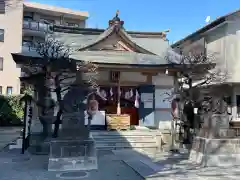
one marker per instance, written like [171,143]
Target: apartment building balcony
[29,48]
[33,28]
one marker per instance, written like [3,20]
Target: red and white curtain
[128,93]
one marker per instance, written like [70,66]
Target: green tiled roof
[155,45]
[121,57]
[81,40]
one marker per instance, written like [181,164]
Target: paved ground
[8,134]
[14,166]
[169,167]
[116,165]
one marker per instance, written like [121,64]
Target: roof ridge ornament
[116,20]
[117,13]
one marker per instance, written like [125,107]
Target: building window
[2,35]
[9,90]
[1,64]
[72,24]
[28,18]
[2,7]
[47,21]
[0,90]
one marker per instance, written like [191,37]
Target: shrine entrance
[129,109]
[128,101]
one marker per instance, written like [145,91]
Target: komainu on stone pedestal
[74,149]
[216,145]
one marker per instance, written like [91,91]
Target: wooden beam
[149,79]
[129,68]
[123,83]
[149,73]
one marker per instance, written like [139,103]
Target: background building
[220,37]
[23,24]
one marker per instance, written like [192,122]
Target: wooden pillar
[149,79]
[234,103]
[119,98]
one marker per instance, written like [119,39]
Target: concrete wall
[216,45]
[163,84]
[233,47]
[224,42]
[11,22]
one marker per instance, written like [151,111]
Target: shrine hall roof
[81,37]
[148,47]
[119,57]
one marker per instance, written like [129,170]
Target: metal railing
[37,26]
[29,46]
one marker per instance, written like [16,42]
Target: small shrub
[11,110]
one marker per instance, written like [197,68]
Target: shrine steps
[149,140]
[132,139]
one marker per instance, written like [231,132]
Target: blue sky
[181,17]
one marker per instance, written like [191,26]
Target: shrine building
[132,70]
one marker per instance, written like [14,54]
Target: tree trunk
[60,111]
[189,114]
[42,90]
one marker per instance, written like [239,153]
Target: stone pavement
[116,165]
[8,134]
[15,166]
[168,167]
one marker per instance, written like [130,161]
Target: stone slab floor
[116,165]
[8,134]
[14,166]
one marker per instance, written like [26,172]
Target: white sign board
[98,118]
[147,99]
[162,98]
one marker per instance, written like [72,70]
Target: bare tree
[59,73]
[197,72]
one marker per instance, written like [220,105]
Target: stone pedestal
[68,155]
[216,145]
[73,149]
[215,152]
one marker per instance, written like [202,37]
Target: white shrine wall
[164,85]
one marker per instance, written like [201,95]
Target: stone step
[126,147]
[134,139]
[120,136]
[125,140]
[126,133]
[126,144]
[17,144]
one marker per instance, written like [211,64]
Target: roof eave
[26,60]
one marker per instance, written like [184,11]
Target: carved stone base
[215,152]
[68,155]
[217,133]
